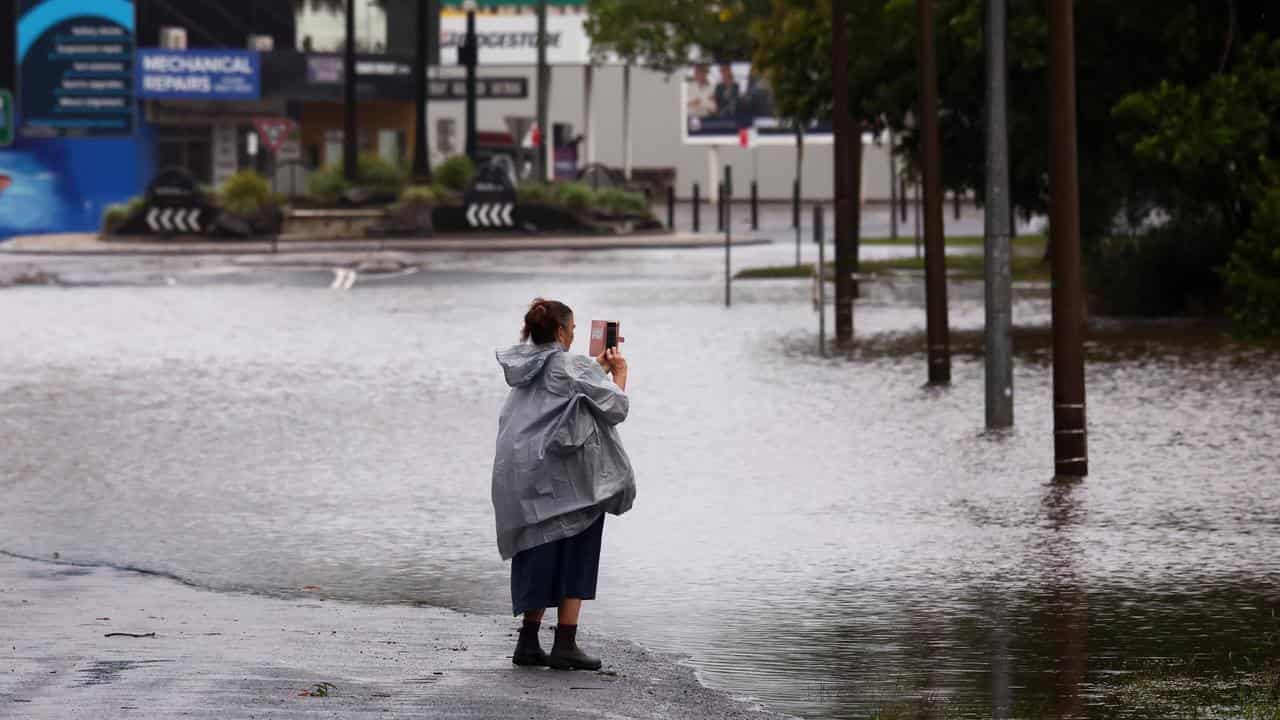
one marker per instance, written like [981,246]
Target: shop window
[391,146]
[333,144]
[187,147]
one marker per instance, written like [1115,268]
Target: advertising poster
[720,100]
[75,68]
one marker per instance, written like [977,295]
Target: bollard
[726,196]
[955,198]
[720,208]
[822,280]
[755,206]
[697,208]
[902,199]
[671,208]
[795,203]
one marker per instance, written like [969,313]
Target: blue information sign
[198,75]
[75,67]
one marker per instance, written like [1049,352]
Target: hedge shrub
[116,214]
[456,173]
[374,176]
[245,193]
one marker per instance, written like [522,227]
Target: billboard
[75,68]
[198,75]
[719,101]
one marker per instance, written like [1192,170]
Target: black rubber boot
[566,655]
[528,650]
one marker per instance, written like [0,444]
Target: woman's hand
[613,362]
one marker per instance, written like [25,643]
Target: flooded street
[823,535]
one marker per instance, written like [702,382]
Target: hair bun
[544,319]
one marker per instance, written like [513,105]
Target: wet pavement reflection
[821,534]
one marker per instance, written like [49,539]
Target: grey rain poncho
[559,462]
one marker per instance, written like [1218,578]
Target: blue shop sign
[75,68]
[198,75]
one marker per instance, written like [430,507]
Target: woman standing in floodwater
[559,467]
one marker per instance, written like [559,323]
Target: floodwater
[822,535]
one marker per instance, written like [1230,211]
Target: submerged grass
[1019,242]
[1027,262]
[965,267]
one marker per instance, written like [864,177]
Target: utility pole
[999,255]
[543,123]
[470,56]
[421,153]
[350,126]
[843,131]
[1069,428]
[935,249]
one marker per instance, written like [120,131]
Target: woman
[558,469]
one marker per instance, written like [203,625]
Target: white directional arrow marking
[491,215]
[194,220]
[180,220]
[166,219]
[151,219]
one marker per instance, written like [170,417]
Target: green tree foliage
[668,34]
[793,50]
[1205,154]
[1253,273]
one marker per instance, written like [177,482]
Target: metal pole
[795,203]
[935,260]
[822,280]
[844,134]
[671,207]
[421,156]
[893,190]
[350,125]
[915,219]
[472,58]
[697,208]
[540,166]
[626,121]
[720,207]
[588,122]
[1069,427]
[755,205]
[727,193]
[904,197]
[999,257]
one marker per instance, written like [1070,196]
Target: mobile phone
[604,336]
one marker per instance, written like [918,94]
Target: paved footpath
[91,244]
[231,655]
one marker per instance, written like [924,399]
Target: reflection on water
[820,534]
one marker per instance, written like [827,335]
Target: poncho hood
[522,363]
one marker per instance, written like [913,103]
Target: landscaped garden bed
[383,203]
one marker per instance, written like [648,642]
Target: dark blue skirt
[542,576]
